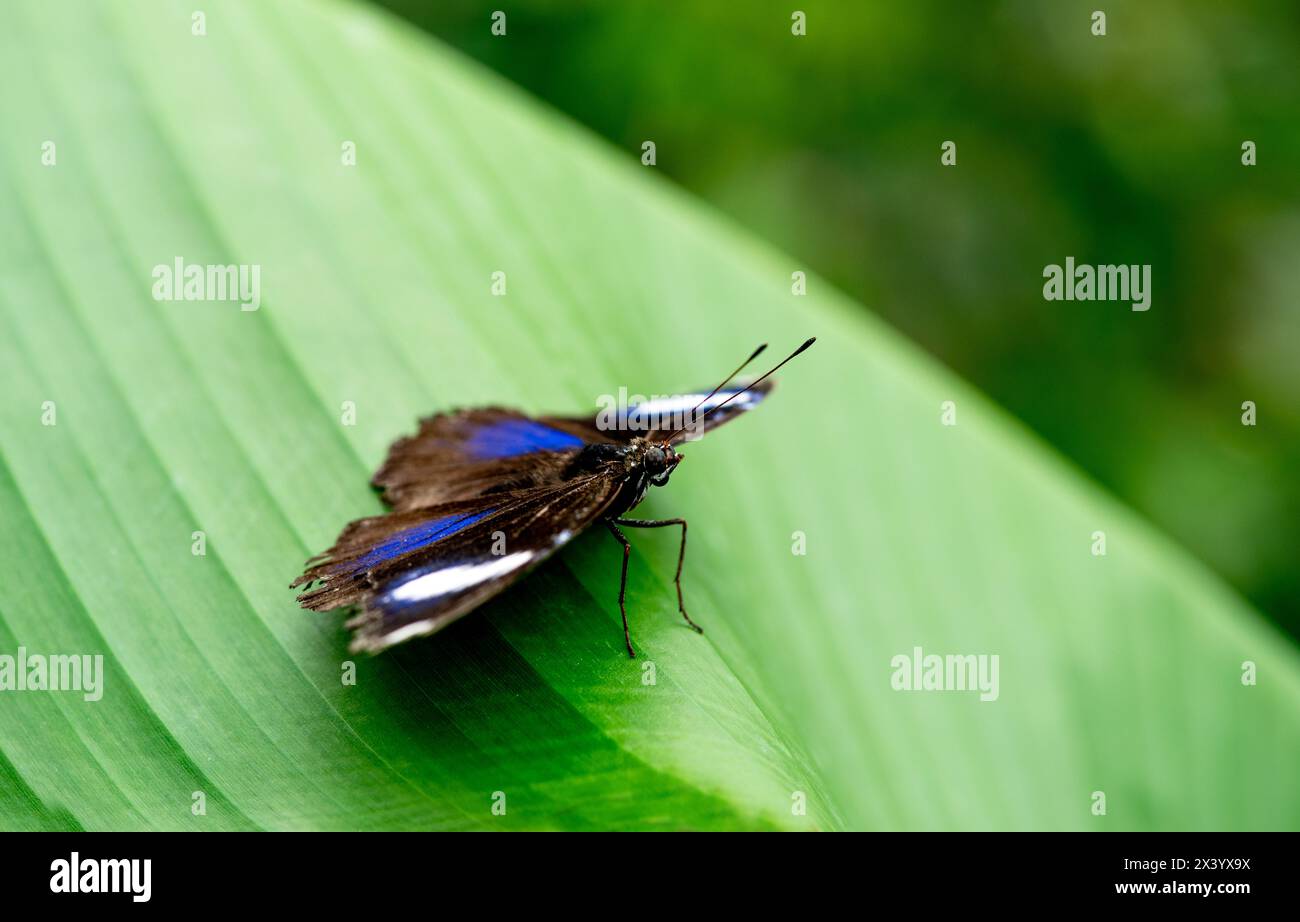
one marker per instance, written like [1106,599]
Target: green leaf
[1118,673]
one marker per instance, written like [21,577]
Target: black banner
[336,870]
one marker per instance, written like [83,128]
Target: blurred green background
[1117,149]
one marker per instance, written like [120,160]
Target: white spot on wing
[686,402]
[450,580]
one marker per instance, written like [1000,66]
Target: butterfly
[479,497]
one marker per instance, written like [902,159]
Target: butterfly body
[640,464]
[479,497]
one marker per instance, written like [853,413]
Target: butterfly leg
[622,582]
[681,558]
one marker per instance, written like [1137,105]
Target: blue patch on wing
[510,437]
[421,535]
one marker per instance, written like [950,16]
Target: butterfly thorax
[640,464]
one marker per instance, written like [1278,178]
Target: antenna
[753,355]
[743,389]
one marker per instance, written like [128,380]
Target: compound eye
[655,461]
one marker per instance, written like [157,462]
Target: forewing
[658,417]
[470,453]
[413,573]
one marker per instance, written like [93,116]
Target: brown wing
[469,453]
[414,572]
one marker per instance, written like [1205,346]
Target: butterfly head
[659,460]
